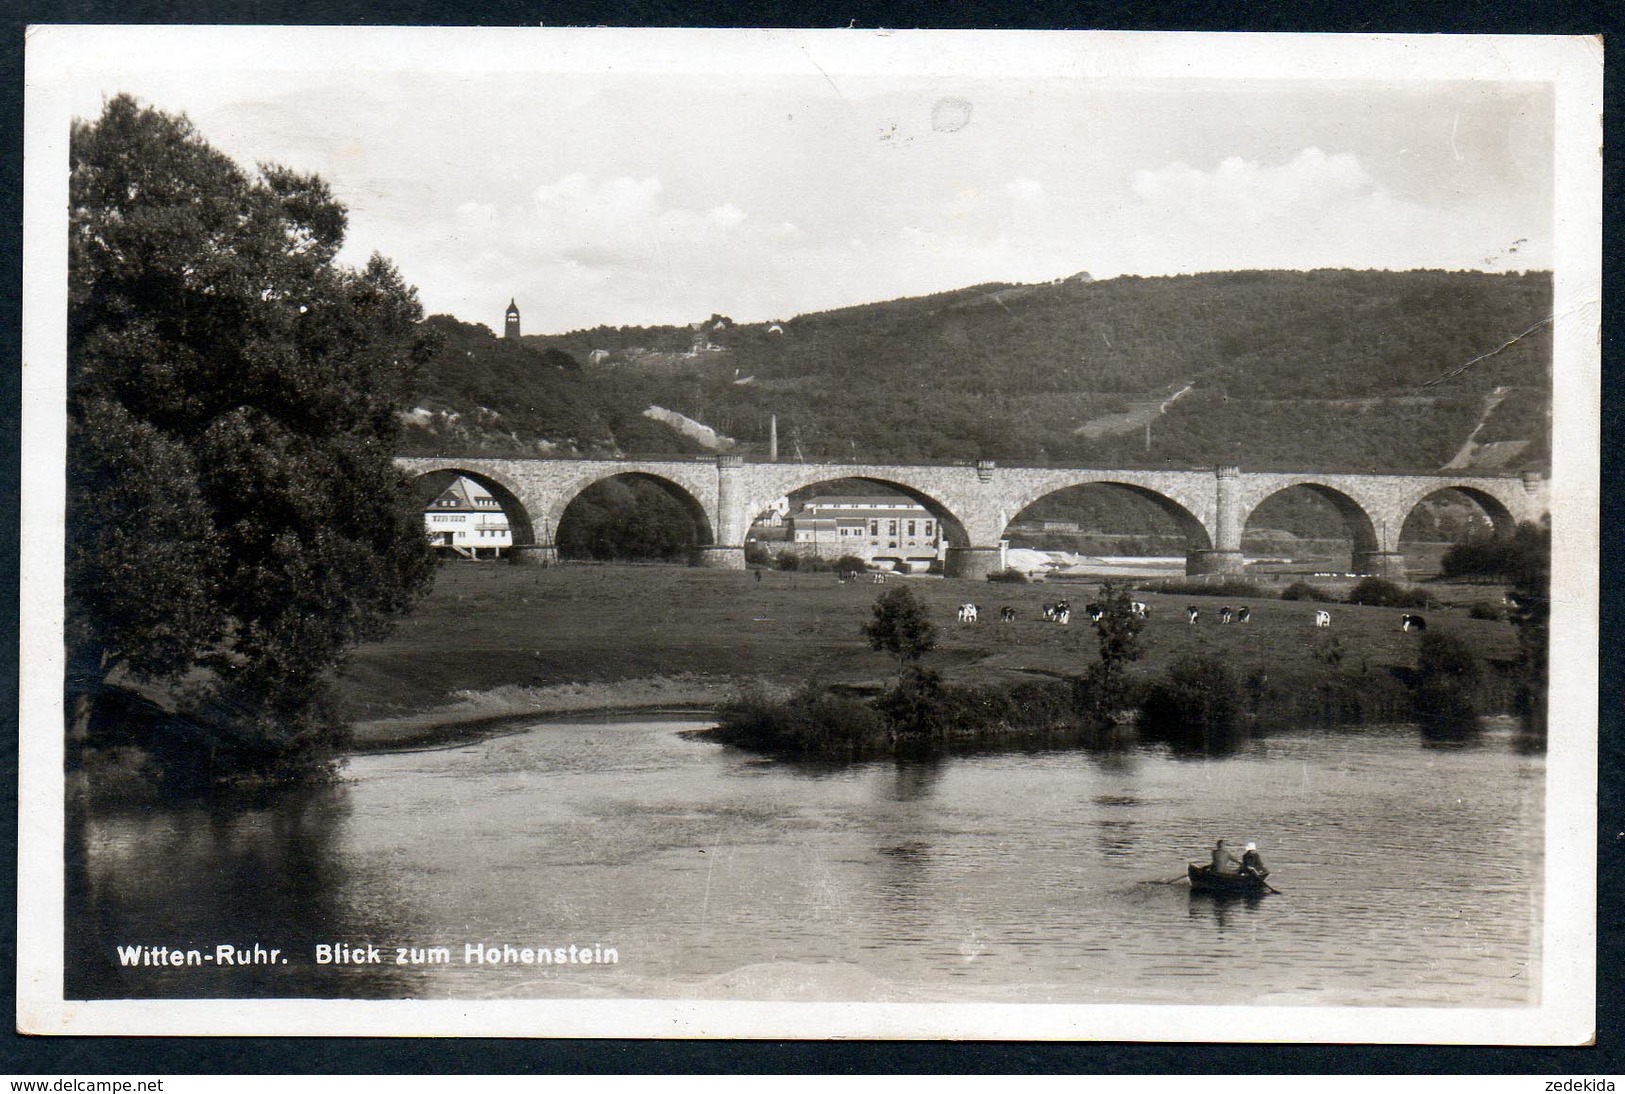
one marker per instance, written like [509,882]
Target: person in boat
[1252,863]
[1223,861]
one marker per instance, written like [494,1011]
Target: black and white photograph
[1028,535]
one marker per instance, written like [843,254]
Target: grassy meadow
[493,640]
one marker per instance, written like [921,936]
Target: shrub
[812,721]
[1008,576]
[1381,593]
[1302,590]
[850,564]
[757,555]
[1231,587]
[1487,609]
[1448,673]
[1198,700]
[787,560]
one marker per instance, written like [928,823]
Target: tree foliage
[1106,687]
[233,401]
[902,627]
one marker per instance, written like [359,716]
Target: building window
[891,528]
[911,529]
[874,528]
[927,529]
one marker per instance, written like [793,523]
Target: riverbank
[492,642]
[473,713]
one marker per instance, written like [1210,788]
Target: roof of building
[842,501]
[463,495]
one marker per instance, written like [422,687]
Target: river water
[1410,874]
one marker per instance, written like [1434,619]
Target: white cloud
[1310,182]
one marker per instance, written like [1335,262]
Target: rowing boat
[1203,877]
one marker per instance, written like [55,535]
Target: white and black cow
[1007,614]
[1226,614]
[1140,609]
[1096,612]
[1410,623]
[968,613]
[1192,613]
[1243,614]
[1323,618]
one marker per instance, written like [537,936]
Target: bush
[1487,609]
[1448,674]
[1379,592]
[757,555]
[1196,702]
[1008,576]
[812,721]
[1231,587]
[850,564]
[1302,590]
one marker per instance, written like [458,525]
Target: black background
[87,1056]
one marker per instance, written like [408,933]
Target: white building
[466,520]
[877,529]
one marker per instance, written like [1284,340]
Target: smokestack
[773,439]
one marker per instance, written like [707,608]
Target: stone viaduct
[975,502]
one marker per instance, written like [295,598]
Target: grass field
[578,635]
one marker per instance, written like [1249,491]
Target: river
[1409,874]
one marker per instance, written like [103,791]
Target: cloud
[1310,182]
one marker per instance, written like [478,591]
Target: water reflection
[1223,907]
[204,876]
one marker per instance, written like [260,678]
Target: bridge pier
[1389,564]
[1213,561]
[974,563]
[720,557]
[533,554]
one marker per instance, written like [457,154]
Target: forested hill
[1332,368]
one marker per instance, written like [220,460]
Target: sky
[659,181]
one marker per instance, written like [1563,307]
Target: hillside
[1344,369]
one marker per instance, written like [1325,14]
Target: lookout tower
[510,328]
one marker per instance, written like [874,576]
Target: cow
[1243,614]
[1096,612]
[1140,609]
[968,613]
[1226,614]
[878,578]
[1192,613]
[1007,614]
[1323,618]
[1064,616]
[1049,613]
[1410,623]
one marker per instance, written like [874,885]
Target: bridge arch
[1188,524]
[1367,546]
[687,494]
[1502,522]
[521,526]
[954,531]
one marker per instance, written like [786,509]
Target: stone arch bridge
[975,502]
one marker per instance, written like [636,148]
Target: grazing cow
[878,578]
[1225,614]
[1141,609]
[1007,614]
[1243,614]
[1064,616]
[1192,613]
[968,613]
[1323,618]
[1096,612]
[1410,623]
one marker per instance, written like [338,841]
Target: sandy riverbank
[472,713]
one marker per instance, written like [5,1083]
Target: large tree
[233,514]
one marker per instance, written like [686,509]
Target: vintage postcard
[826,534]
